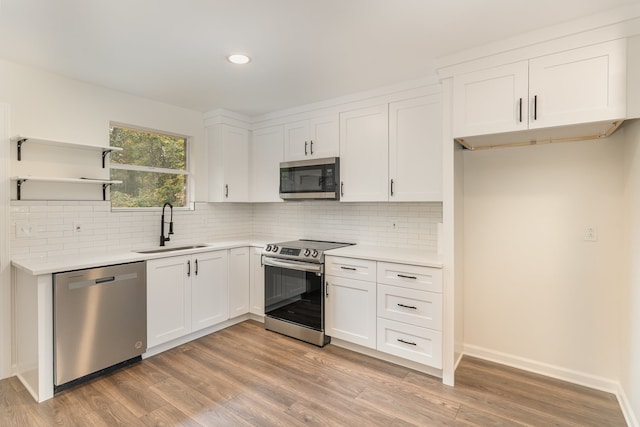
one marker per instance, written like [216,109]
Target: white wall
[537,294]
[630,326]
[49,106]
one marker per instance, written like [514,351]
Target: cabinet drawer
[351,268]
[421,345]
[419,308]
[410,276]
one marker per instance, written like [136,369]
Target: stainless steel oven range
[294,289]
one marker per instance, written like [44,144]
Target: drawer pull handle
[348,268]
[406,342]
[408,306]
[407,277]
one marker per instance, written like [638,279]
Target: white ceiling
[303,51]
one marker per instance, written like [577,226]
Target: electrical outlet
[77,227]
[25,229]
[590,233]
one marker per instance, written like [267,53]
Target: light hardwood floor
[246,376]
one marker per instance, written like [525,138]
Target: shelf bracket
[18,187]
[20,141]
[104,191]
[104,156]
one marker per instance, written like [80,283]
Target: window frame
[188,174]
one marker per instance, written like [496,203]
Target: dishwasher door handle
[86,283]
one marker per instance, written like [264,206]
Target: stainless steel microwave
[310,179]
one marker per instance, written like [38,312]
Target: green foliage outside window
[152,166]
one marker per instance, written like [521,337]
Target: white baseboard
[564,374]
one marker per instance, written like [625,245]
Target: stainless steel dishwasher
[100,320]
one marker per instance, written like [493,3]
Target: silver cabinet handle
[189,268]
[326,289]
[196,267]
[348,268]
[311,148]
[535,107]
[305,148]
[406,342]
[407,277]
[226,191]
[392,187]
[341,188]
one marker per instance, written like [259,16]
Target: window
[152,167]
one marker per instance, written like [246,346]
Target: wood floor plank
[245,375]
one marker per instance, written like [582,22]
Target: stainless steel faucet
[162,222]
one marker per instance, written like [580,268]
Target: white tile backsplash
[49,226]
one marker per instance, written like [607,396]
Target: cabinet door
[266,155]
[228,155]
[168,299]
[578,86]
[238,282]
[324,137]
[209,289]
[415,150]
[236,164]
[296,140]
[364,158]
[491,101]
[350,310]
[257,282]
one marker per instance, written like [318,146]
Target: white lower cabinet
[188,293]
[184,294]
[410,312]
[256,281]
[350,300]
[209,289]
[390,307]
[350,310]
[168,299]
[238,282]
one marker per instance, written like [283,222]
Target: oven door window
[294,296]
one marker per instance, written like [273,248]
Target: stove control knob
[314,253]
[274,248]
[307,252]
[268,249]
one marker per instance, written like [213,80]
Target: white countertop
[48,265]
[387,254]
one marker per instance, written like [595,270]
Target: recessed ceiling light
[238,58]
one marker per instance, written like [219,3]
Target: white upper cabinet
[578,86]
[228,148]
[364,157]
[311,138]
[581,85]
[392,152]
[491,101]
[415,149]
[266,155]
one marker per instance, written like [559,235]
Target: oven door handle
[300,266]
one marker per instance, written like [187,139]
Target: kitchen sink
[171,249]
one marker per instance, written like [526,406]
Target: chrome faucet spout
[162,222]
